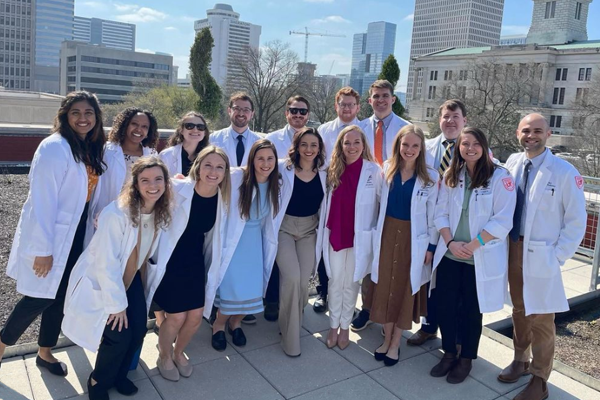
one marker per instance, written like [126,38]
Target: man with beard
[297,112]
[237,139]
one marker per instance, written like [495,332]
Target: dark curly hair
[293,160]
[177,136]
[121,122]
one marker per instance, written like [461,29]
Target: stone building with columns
[559,59]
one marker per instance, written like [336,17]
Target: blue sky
[168,26]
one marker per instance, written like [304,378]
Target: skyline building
[112,34]
[17,44]
[442,24]
[369,51]
[231,37]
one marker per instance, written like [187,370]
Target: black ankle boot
[96,392]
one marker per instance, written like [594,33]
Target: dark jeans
[28,308]
[117,349]
[272,295]
[432,324]
[458,307]
[323,279]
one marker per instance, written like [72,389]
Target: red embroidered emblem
[509,184]
[579,182]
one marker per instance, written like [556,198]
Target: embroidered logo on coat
[579,182]
[509,184]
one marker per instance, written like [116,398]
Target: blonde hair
[225,184]
[396,161]
[338,159]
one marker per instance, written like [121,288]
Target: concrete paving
[261,370]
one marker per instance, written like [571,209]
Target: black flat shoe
[57,368]
[126,387]
[237,336]
[219,342]
[96,392]
[390,362]
[379,356]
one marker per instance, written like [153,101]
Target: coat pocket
[494,259]
[541,261]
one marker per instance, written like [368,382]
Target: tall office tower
[232,38]
[111,34]
[53,25]
[440,24]
[16,44]
[369,51]
[558,22]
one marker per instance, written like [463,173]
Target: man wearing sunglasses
[297,112]
[237,139]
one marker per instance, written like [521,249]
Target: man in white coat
[237,139]
[297,113]
[439,152]
[548,226]
[380,129]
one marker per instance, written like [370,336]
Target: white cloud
[336,19]
[140,15]
[170,28]
[126,7]
[409,17]
[94,4]
[515,29]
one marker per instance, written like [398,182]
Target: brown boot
[460,371]
[536,389]
[420,337]
[514,371]
[444,366]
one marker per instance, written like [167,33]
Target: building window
[462,75]
[431,95]
[578,11]
[555,121]
[561,74]
[433,76]
[550,9]
[582,94]
[588,74]
[462,92]
[447,75]
[430,112]
[559,96]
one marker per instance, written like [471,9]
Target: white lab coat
[431,149]
[491,209]
[554,226]
[113,179]
[96,287]
[422,228]
[235,227]
[287,188]
[226,139]
[171,156]
[395,125]
[329,132]
[282,139]
[58,188]
[183,193]
[366,211]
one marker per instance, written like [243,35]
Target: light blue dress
[241,291]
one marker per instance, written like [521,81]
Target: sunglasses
[302,111]
[189,126]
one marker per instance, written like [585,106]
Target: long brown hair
[177,136]
[338,159]
[293,160]
[121,122]
[91,150]
[225,185]
[396,162]
[131,198]
[484,168]
[249,182]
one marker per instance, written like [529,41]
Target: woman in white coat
[474,215]
[190,247]
[188,140]
[51,230]
[112,283]
[405,241]
[251,242]
[300,242]
[354,188]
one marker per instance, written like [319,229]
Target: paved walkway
[261,370]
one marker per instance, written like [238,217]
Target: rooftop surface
[588,44]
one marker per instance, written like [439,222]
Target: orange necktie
[379,142]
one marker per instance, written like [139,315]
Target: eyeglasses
[302,111]
[239,110]
[347,105]
[189,126]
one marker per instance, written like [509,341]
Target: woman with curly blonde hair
[113,282]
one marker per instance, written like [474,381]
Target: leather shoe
[332,338]
[514,371]
[219,342]
[390,362]
[420,337]
[57,368]
[379,356]
[126,387]
[184,370]
[460,371]
[343,339]
[249,319]
[320,304]
[237,336]
[444,366]
[271,311]
[169,374]
[536,389]
[96,392]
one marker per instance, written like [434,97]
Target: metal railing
[590,245]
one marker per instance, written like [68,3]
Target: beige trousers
[296,261]
[343,291]
[533,335]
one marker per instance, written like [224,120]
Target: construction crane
[306,34]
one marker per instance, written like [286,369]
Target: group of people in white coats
[421,227]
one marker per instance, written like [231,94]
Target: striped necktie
[447,157]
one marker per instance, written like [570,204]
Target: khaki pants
[343,291]
[533,335]
[296,260]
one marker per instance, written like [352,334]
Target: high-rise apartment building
[112,34]
[369,51]
[232,38]
[53,25]
[440,24]
[16,44]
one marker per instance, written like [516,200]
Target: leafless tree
[321,94]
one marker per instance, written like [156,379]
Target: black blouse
[306,197]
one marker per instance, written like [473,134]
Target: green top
[462,233]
